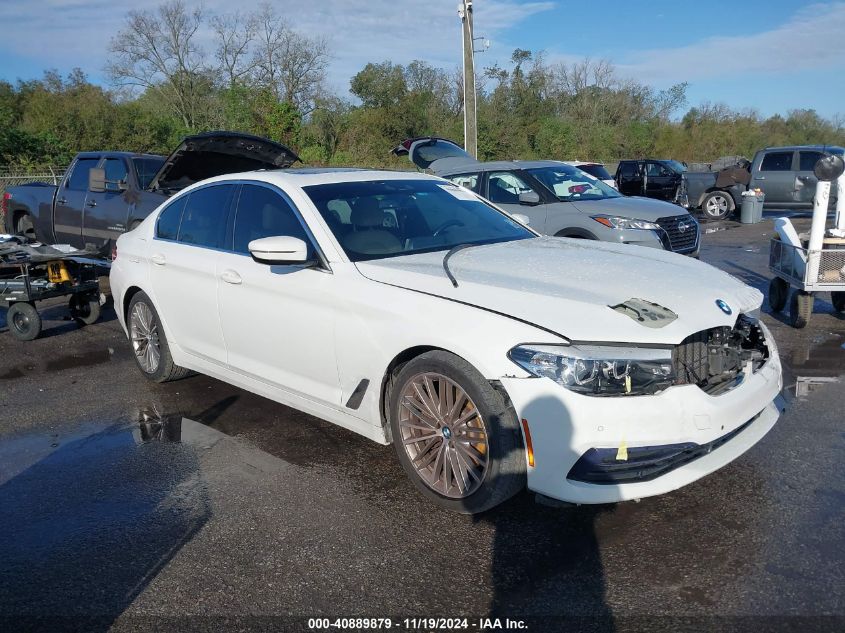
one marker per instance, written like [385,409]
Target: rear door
[805,178]
[775,176]
[503,189]
[190,234]
[106,211]
[660,181]
[70,202]
[629,179]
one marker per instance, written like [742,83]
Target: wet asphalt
[132,506]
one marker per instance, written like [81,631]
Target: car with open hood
[412,311]
[559,199]
[104,194]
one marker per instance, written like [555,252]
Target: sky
[770,55]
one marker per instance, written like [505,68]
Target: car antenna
[452,251]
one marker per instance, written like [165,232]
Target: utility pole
[470,113]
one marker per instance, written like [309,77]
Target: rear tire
[25,227]
[778,294]
[24,321]
[838,300]
[480,434]
[85,309]
[800,309]
[149,342]
[717,205]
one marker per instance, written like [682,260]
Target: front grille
[714,359]
[681,233]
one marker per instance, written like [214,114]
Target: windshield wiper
[448,255]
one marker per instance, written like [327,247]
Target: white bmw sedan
[411,311]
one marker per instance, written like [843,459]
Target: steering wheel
[445,226]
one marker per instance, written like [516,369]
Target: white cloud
[812,39]
[67,33]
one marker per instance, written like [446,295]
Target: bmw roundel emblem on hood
[724,307]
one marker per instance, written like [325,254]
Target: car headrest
[367,213]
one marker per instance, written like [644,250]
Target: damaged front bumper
[608,449]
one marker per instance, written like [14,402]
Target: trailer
[33,273]
[814,262]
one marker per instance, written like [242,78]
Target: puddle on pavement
[813,365]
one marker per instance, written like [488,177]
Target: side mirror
[829,168]
[281,249]
[529,197]
[97,180]
[522,219]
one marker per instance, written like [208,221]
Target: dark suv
[650,177]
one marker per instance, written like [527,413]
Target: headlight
[614,222]
[596,370]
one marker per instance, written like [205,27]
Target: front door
[776,177]
[278,321]
[183,269]
[106,211]
[503,189]
[805,178]
[660,181]
[70,203]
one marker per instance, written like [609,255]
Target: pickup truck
[784,174]
[105,194]
[650,177]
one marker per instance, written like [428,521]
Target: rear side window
[807,160]
[78,180]
[264,213]
[777,161]
[204,218]
[628,170]
[167,227]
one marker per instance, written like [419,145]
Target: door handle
[759,177]
[91,203]
[158,259]
[62,201]
[230,277]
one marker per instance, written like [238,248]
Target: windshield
[570,183]
[147,168]
[379,219]
[675,166]
[596,170]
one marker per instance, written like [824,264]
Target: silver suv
[559,199]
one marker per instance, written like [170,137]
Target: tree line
[264,77]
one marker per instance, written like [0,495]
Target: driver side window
[504,187]
[656,170]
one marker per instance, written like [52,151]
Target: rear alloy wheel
[800,309]
[149,342]
[457,439]
[778,294]
[838,301]
[717,205]
[24,321]
[25,227]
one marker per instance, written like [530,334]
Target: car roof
[820,148]
[578,163]
[109,154]
[472,166]
[304,177]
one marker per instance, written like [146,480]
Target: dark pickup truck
[650,177]
[105,194]
[784,174]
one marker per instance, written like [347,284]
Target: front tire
[149,342]
[457,439]
[778,294]
[717,205]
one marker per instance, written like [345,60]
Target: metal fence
[13,177]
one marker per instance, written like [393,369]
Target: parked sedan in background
[412,311]
[559,199]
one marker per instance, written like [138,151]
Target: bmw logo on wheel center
[723,306]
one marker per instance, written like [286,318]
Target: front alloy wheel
[443,435]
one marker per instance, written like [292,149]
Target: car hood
[629,207]
[211,154]
[568,286]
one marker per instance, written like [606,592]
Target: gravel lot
[261,515]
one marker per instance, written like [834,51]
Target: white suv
[410,310]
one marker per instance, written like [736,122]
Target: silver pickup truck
[784,174]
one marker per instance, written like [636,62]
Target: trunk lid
[211,154]
[434,153]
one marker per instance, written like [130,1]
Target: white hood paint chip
[645,312]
